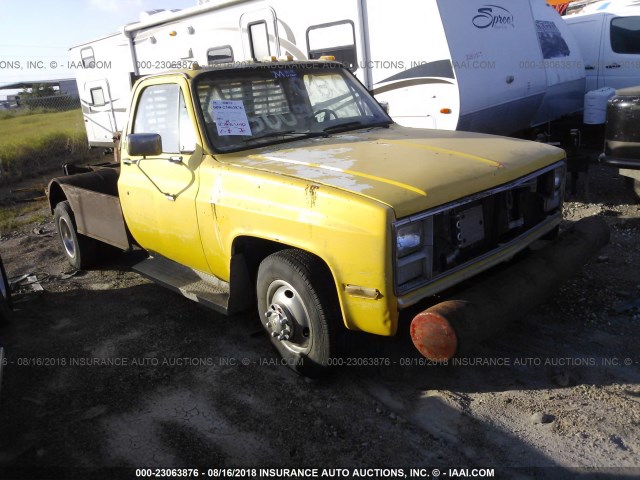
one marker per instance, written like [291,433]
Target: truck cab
[286,185]
[610,45]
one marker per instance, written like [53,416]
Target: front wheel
[80,250]
[298,308]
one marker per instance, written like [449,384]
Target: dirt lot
[188,388]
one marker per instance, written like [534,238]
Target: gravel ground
[177,386]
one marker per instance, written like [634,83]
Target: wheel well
[254,250]
[56,195]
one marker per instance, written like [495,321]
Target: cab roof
[198,70]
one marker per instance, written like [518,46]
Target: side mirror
[385,106]
[144,144]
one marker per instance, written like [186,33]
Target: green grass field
[33,143]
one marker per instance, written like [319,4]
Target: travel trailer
[493,67]
[608,34]
[105,75]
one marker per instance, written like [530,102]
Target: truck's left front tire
[298,309]
[80,250]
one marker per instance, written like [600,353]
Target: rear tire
[298,308]
[81,251]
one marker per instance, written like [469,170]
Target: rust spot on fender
[311,193]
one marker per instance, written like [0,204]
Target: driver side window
[162,110]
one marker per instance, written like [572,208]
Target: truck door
[260,34]
[621,52]
[158,194]
[98,113]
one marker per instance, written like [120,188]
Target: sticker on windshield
[284,74]
[230,117]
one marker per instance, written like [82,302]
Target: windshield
[254,107]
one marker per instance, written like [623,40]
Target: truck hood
[408,169]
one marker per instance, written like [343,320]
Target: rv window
[337,39]
[88,59]
[157,112]
[551,41]
[97,97]
[259,40]
[625,35]
[218,55]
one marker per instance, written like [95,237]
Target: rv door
[621,52]
[260,34]
[97,109]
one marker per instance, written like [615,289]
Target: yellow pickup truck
[285,184]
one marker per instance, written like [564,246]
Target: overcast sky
[41,32]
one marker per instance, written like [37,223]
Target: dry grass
[34,143]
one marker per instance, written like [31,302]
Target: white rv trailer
[608,33]
[105,76]
[494,67]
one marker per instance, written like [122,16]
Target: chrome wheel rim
[67,238]
[287,318]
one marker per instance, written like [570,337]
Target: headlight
[410,238]
[553,188]
[414,252]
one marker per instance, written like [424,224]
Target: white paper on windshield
[230,117]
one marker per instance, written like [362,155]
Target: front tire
[80,250]
[298,308]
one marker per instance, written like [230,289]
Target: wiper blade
[322,133]
[272,134]
[342,126]
[350,125]
[285,133]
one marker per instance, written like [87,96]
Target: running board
[200,287]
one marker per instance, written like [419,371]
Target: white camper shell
[494,67]
[608,33]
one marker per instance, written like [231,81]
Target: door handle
[128,161]
[589,67]
[175,159]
